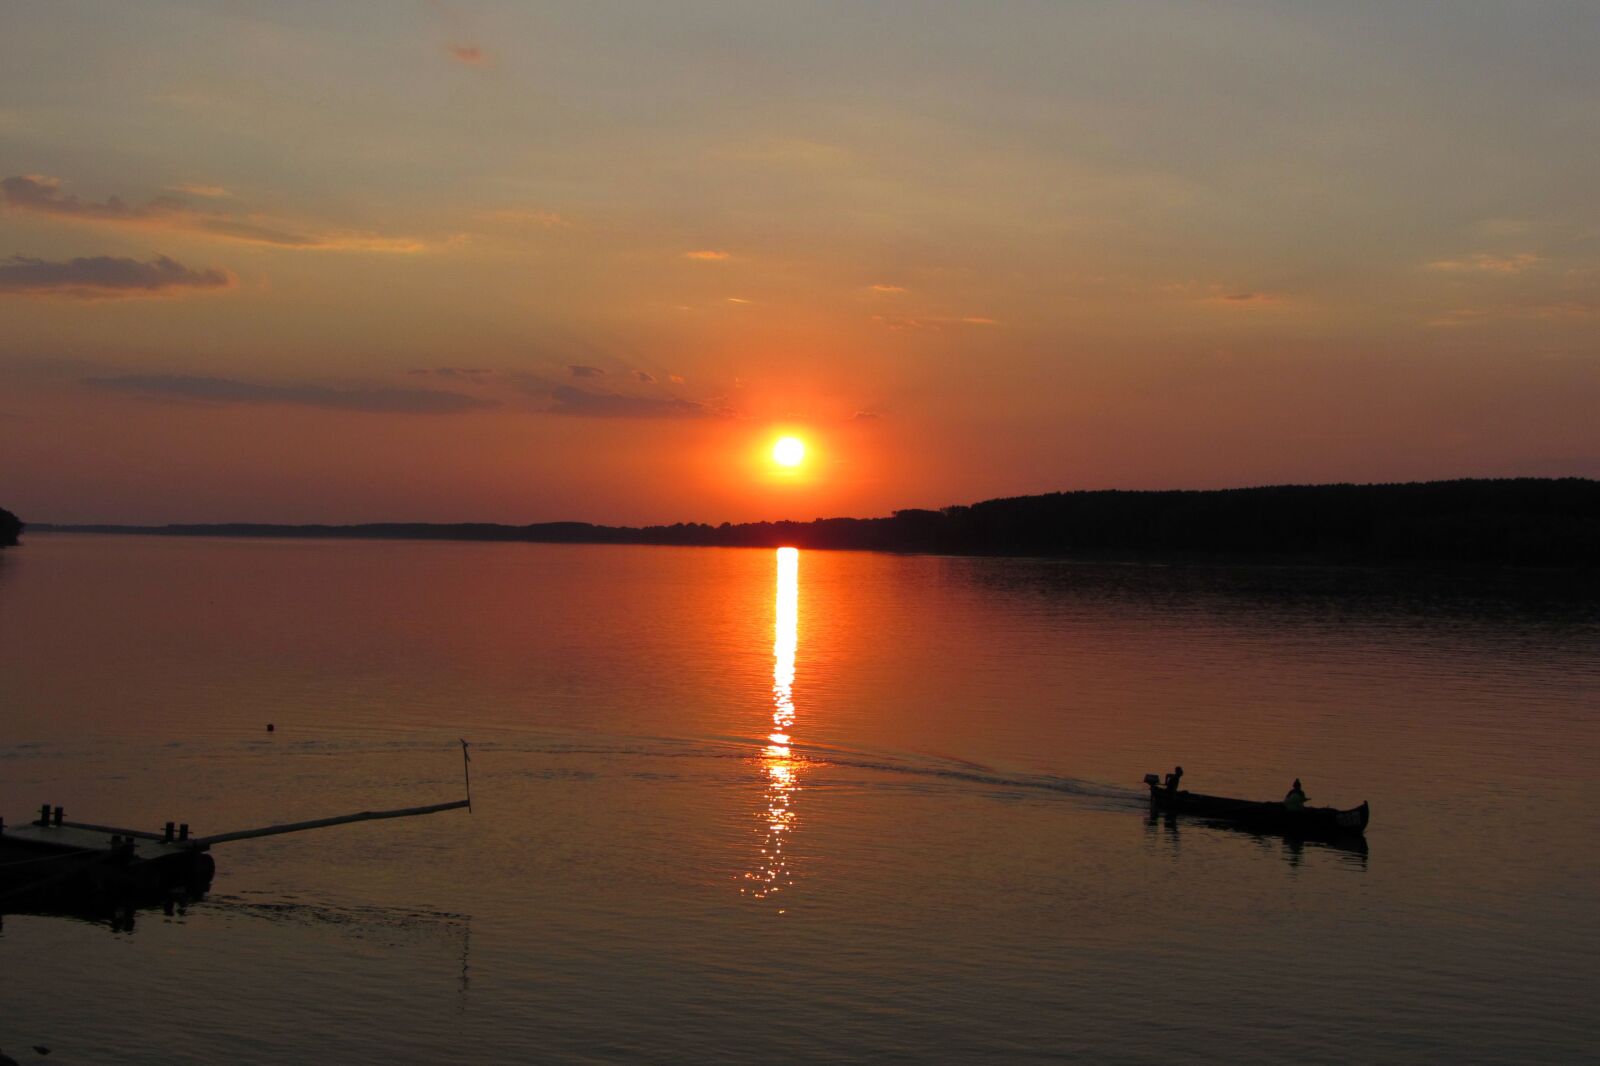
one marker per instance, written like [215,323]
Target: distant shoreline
[1538,522]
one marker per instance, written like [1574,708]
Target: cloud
[889,289]
[708,255]
[207,192]
[468,372]
[676,379]
[645,376]
[587,371]
[1484,263]
[599,404]
[1570,309]
[865,416]
[470,54]
[42,195]
[901,322]
[737,300]
[225,390]
[1465,316]
[1245,299]
[105,275]
[515,216]
[580,402]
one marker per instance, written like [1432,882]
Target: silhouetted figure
[1173,779]
[1295,800]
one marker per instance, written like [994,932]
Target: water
[731,805]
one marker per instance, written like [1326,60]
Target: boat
[1307,823]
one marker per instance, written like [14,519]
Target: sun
[788,451]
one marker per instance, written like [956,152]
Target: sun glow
[789,451]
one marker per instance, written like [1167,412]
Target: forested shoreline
[1520,521]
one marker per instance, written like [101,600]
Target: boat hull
[1309,823]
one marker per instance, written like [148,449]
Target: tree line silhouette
[10,528]
[1514,521]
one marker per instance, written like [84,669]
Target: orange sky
[514,263]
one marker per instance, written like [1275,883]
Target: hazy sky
[523,262]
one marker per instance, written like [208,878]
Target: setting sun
[788,451]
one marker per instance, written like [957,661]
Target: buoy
[270,727]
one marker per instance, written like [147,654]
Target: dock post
[168,838]
[59,812]
[44,814]
[183,831]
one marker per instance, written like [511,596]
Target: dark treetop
[1519,522]
[10,528]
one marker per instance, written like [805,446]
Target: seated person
[1296,798]
[1173,779]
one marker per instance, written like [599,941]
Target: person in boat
[1173,779]
[1295,800]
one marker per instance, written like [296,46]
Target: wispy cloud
[39,194]
[570,400]
[645,376]
[228,391]
[469,54]
[708,255]
[1465,316]
[207,192]
[889,290]
[104,275]
[586,371]
[470,373]
[1567,311]
[1245,300]
[903,322]
[1484,263]
[532,217]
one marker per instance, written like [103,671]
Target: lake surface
[738,804]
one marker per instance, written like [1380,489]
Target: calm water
[735,805]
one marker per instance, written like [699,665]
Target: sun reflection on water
[771,875]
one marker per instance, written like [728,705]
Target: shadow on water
[118,914]
[1170,829]
[1557,598]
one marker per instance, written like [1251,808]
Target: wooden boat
[1308,823]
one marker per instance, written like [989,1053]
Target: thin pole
[466,770]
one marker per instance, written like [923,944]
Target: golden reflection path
[771,874]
